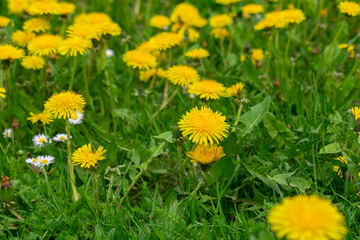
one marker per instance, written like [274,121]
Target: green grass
[273,153]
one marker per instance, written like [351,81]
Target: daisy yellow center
[42,140]
[62,138]
[35,160]
[44,161]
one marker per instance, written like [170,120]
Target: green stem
[269,56]
[96,191]
[73,74]
[286,55]
[71,169]
[238,116]
[163,106]
[197,187]
[86,83]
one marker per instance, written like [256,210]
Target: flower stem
[96,191]
[86,83]
[238,116]
[71,169]
[73,74]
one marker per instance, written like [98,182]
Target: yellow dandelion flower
[147,74]
[186,14]
[208,89]
[92,18]
[199,22]
[235,90]
[257,55]
[83,30]
[139,59]
[275,19]
[220,33]
[36,25]
[45,44]
[160,22]
[165,40]
[86,157]
[189,33]
[343,45]
[2,92]
[242,58]
[220,20]
[109,28]
[4,21]
[9,52]
[182,75]
[66,8]
[145,46]
[227,2]
[33,62]
[43,7]
[197,53]
[206,154]
[17,6]
[307,217]
[251,9]
[65,104]
[293,15]
[22,38]
[44,117]
[337,168]
[204,126]
[356,112]
[349,8]
[74,46]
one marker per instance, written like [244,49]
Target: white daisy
[60,137]
[76,119]
[45,160]
[109,53]
[33,161]
[40,139]
[8,133]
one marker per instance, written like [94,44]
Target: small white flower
[60,137]
[109,53]
[8,133]
[45,160]
[33,161]
[76,119]
[40,139]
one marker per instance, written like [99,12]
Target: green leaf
[112,151]
[300,183]
[276,128]
[167,136]
[255,115]
[283,179]
[230,145]
[331,148]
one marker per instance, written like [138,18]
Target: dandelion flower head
[204,126]
[36,25]
[4,21]
[206,154]
[307,217]
[45,44]
[165,40]
[86,158]
[65,104]
[138,59]
[182,75]
[207,89]
[22,38]
[74,46]
[220,20]
[227,2]
[197,53]
[349,8]
[2,92]
[220,33]
[235,89]
[33,62]
[160,22]
[43,117]
[9,52]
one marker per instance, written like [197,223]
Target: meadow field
[169,119]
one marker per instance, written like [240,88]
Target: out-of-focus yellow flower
[74,46]
[220,33]
[22,38]
[252,8]
[257,55]
[4,21]
[36,25]
[220,20]
[44,117]
[197,53]
[356,112]
[189,33]
[2,92]
[206,154]
[17,6]
[33,62]
[160,22]
[207,89]
[227,2]
[43,7]
[182,75]
[45,44]
[9,52]
[66,8]
[147,74]
[349,8]
[165,40]
[138,59]
[235,90]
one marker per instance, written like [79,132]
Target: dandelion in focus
[207,89]
[44,117]
[85,157]
[65,104]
